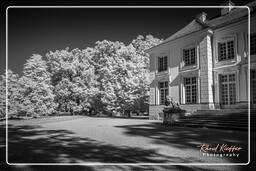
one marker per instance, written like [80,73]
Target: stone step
[224,111]
[220,118]
[215,123]
[226,127]
[233,119]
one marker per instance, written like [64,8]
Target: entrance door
[227,90]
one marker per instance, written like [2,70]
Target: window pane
[194,94]
[187,81]
[230,45]
[224,94]
[163,88]
[222,51]
[162,63]
[228,89]
[165,63]
[232,93]
[188,93]
[189,56]
[186,56]
[190,89]
[232,77]
[224,78]
[193,80]
[193,55]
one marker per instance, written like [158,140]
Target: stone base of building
[201,106]
[238,105]
[154,112]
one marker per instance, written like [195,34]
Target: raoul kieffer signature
[219,148]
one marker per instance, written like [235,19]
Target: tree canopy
[109,78]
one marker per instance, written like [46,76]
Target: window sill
[188,67]
[190,104]
[226,62]
[162,72]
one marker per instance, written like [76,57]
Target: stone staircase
[230,119]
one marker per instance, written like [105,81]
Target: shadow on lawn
[32,144]
[190,138]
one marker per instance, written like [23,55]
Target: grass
[114,140]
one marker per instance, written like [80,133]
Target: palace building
[204,66]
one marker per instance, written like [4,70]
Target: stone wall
[154,112]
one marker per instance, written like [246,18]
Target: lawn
[115,140]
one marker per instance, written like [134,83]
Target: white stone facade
[210,71]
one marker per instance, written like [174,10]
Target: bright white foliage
[109,78]
[73,79]
[38,97]
[14,96]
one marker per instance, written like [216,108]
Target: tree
[141,61]
[110,78]
[38,97]
[13,94]
[73,79]
[116,77]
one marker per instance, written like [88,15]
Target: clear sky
[37,30]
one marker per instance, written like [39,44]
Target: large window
[163,89]
[162,63]
[226,50]
[253,43]
[189,56]
[228,89]
[190,89]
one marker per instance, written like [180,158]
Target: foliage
[38,97]
[13,94]
[110,78]
[73,78]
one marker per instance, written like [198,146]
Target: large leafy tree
[115,70]
[73,79]
[110,78]
[13,97]
[141,61]
[38,97]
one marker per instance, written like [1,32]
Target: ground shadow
[32,144]
[189,138]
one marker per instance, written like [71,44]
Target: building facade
[205,64]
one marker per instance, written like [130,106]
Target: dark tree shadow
[189,138]
[32,144]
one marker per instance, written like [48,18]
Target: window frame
[165,90]
[229,84]
[164,65]
[191,97]
[226,57]
[189,49]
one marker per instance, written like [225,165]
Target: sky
[40,30]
